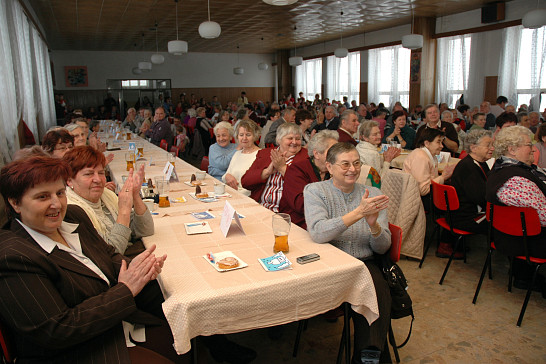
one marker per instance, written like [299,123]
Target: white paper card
[132,146]
[229,214]
[168,171]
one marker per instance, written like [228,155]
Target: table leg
[347,328]
[194,350]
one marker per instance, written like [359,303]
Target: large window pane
[388,75]
[309,78]
[343,77]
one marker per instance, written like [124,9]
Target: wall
[191,70]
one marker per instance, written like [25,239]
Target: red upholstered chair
[463,154]
[205,164]
[8,350]
[175,149]
[519,223]
[445,199]
[163,144]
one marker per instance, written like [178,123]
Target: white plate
[189,184]
[201,227]
[222,255]
[206,199]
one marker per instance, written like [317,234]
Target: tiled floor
[448,328]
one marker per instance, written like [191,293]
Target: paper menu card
[228,215]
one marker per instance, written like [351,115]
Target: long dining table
[199,300]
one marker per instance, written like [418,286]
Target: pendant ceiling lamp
[144,66]
[534,19]
[137,71]
[157,58]
[209,29]
[341,52]
[280,2]
[262,66]
[295,60]
[177,47]
[238,70]
[412,41]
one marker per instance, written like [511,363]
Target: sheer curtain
[343,77]
[452,68]
[8,106]
[507,83]
[538,71]
[476,75]
[388,75]
[309,78]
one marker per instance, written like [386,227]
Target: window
[343,77]
[134,83]
[309,78]
[453,65]
[531,75]
[388,75]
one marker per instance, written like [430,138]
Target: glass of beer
[128,135]
[171,157]
[281,228]
[140,149]
[138,165]
[130,159]
[163,192]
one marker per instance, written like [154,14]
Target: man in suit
[331,121]
[348,126]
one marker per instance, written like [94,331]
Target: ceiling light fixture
[341,52]
[412,41]
[534,19]
[238,70]
[209,29]
[262,66]
[280,2]
[295,60]
[144,66]
[157,58]
[137,71]
[177,47]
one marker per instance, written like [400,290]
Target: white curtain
[538,71]
[309,78]
[388,75]
[476,75]
[343,77]
[508,65]
[452,68]
[8,106]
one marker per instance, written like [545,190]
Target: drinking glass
[281,228]
[130,159]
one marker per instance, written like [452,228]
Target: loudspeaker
[493,12]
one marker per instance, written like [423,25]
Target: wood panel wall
[490,89]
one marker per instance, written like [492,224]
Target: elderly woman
[306,171]
[221,152]
[57,142]
[265,178]
[120,220]
[400,132]
[354,219]
[67,296]
[80,138]
[146,123]
[304,119]
[248,133]
[469,178]
[422,163]
[370,140]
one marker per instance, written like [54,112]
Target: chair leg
[464,249]
[485,265]
[301,327]
[393,344]
[490,268]
[427,245]
[450,260]
[527,296]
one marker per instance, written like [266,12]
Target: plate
[189,184]
[222,255]
[207,199]
[197,228]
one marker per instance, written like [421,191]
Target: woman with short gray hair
[370,140]
[221,152]
[306,171]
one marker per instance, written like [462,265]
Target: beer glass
[140,149]
[281,228]
[171,157]
[163,192]
[130,159]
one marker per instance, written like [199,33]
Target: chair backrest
[463,154]
[269,145]
[8,349]
[444,197]
[396,242]
[176,150]
[515,221]
[163,144]
[205,164]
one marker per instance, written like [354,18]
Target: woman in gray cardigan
[353,218]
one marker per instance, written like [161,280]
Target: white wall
[187,71]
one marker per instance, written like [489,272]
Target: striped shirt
[271,197]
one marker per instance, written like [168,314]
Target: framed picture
[415,67]
[76,76]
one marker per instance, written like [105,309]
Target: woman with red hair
[57,142]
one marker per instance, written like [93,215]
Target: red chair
[445,199]
[211,132]
[175,149]
[8,349]
[519,223]
[463,154]
[163,144]
[269,145]
[205,164]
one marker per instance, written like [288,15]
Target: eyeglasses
[347,165]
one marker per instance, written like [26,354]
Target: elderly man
[500,106]
[160,129]
[348,127]
[485,107]
[363,113]
[130,119]
[331,121]
[288,116]
[534,121]
[432,120]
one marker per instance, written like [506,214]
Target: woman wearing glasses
[353,218]
[57,142]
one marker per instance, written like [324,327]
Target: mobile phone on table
[308,258]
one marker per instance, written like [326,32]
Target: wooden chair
[519,223]
[163,144]
[204,164]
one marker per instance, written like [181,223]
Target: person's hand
[231,181]
[93,139]
[370,207]
[125,196]
[448,171]
[396,131]
[391,153]
[278,159]
[142,269]
[109,158]
[138,177]
[111,186]
[313,132]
